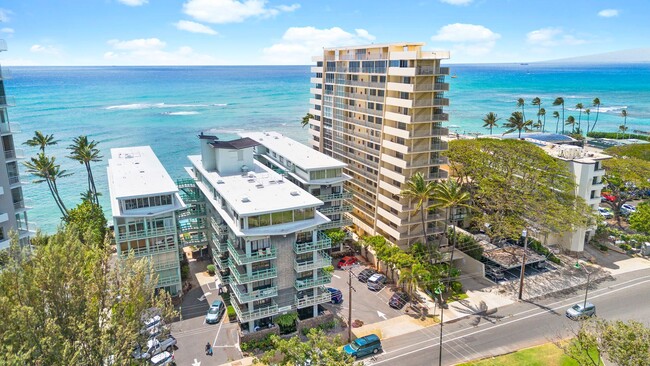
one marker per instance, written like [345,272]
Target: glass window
[265,219]
[253,222]
[283,217]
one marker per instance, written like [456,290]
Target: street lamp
[524,233]
[577,265]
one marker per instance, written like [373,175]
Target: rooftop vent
[251,180]
[220,182]
[259,185]
[295,193]
[245,200]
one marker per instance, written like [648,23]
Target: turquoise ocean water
[166,107]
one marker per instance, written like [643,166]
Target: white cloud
[608,13]
[232,11]
[49,50]
[4,15]
[467,39]
[7,30]
[552,36]
[194,27]
[151,51]
[457,2]
[299,44]
[133,2]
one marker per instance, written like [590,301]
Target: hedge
[615,135]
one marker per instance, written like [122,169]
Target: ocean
[166,107]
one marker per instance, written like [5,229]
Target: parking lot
[192,333]
[367,306]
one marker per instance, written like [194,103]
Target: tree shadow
[479,312]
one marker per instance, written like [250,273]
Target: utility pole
[350,288]
[524,233]
[577,265]
[442,313]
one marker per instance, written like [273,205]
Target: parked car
[162,359]
[337,295]
[363,346]
[398,300]
[580,311]
[607,197]
[154,347]
[365,274]
[376,282]
[605,212]
[627,209]
[495,274]
[215,312]
[347,262]
[152,324]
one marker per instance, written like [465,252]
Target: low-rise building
[144,203]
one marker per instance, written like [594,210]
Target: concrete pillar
[315,308]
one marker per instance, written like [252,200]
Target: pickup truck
[154,347]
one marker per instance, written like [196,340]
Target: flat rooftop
[510,257]
[261,190]
[299,154]
[570,152]
[136,172]
[377,45]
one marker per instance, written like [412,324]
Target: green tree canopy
[639,151]
[89,220]
[318,350]
[620,175]
[640,220]
[514,184]
[67,303]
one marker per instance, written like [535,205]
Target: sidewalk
[247,361]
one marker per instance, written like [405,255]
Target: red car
[608,197]
[347,261]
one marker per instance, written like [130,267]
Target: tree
[640,220]
[68,303]
[556,115]
[538,102]
[560,101]
[490,121]
[639,151]
[319,349]
[418,190]
[521,103]
[623,127]
[515,184]
[620,175]
[516,123]
[596,103]
[542,112]
[46,170]
[571,121]
[336,236]
[89,220]
[306,118]
[85,152]
[41,141]
[587,113]
[579,107]
[621,343]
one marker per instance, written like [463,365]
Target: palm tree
[85,152]
[556,115]
[596,103]
[624,115]
[516,123]
[490,120]
[41,141]
[521,103]
[46,170]
[587,113]
[419,190]
[306,118]
[560,101]
[542,112]
[571,122]
[579,107]
[538,102]
[622,129]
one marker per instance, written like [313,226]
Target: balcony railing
[194,239]
[320,296]
[322,260]
[196,211]
[335,224]
[439,146]
[249,315]
[222,277]
[220,245]
[14,179]
[161,266]
[431,102]
[14,154]
[438,175]
[437,117]
[141,252]
[244,297]
[6,101]
[7,128]
[22,204]
[309,282]
[335,196]
[151,232]
[335,209]
[264,274]
[432,87]
[187,227]
[322,242]
[193,197]
[186,183]
[242,258]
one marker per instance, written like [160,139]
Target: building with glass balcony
[311,170]
[13,205]
[145,202]
[379,109]
[264,233]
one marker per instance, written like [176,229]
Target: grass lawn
[458,297]
[545,355]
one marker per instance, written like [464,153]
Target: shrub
[287,322]
[615,135]
[226,298]
[232,315]
[457,287]
[185,271]
[603,247]
[625,247]
[211,269]
[263,344]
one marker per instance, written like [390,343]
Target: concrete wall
[259,335]
[228,162]
[470,266]
[327,316]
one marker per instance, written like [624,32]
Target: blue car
[363,346]
[337,295]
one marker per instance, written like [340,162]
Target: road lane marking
[218,330]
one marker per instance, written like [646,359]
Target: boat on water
[454,76]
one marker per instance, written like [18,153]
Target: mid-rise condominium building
[144,203]
[13,205]
[264,233]
[379,109]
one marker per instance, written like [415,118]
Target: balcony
[9,128]
[320,295]
[198,238]
[322,260]
[310,282]
[436,117]
[14,179]
[244,297]
[143,234]
[22,205]
[441,102]
[335,209]
[191,226]
[250,315]
[334,224]
[192,197]
[335,196]
[438,175]
[322,242]
[440,146]
[242,257]
[264,274]
[185,183]
[222,276]
[432,87]
[219,245]
[6,101]
[14,154]
[144,251]
[164,265]
[433,132]
[193,212]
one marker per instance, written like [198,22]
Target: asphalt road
[517,326]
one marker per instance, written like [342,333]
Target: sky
[260,32]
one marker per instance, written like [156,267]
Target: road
[520,325]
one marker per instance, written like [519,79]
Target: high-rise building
[13,205]
[264,233]
[145,203]
[379,109]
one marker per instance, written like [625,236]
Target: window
[304,237]
[303,214]
[253,222]
[283,217]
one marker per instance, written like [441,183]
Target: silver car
[580,311]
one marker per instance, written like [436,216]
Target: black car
[337,295]
[365,274]
[398,300]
